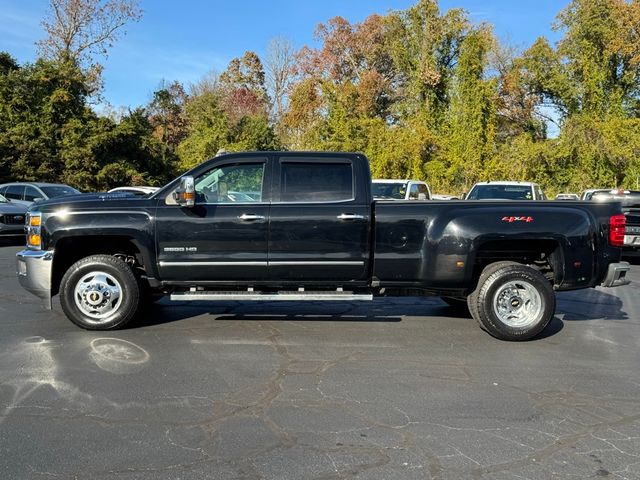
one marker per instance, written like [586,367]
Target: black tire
[458,305]
[484,307]
[116,269]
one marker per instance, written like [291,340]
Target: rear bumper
[33,268]
[632,241]
[617,275]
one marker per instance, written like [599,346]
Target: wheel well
[544,255]
[71,249]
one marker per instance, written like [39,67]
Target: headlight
[33,224]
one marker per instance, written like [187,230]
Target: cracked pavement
[399,388]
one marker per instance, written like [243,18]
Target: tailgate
[632,229]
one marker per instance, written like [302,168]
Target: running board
[271,297]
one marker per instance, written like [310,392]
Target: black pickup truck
[303,226]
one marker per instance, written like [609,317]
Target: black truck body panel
[422,243]
[433,246]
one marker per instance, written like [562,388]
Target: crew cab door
[320,220]
[223,237]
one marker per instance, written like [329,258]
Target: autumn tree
[168,119]
[228,112]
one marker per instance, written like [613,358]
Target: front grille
[13,219]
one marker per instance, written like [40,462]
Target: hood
[92,200]
[12,207]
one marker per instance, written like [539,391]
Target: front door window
[235,183]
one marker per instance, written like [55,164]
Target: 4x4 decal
[517,219]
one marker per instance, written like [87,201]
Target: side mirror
[185,195]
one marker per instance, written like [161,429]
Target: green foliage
[471,120]
[458,107]
[424,93]
[48,133]
[229,113]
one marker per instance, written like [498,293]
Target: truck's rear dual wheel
[100,292]
[512,301]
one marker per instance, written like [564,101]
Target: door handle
[250,217]
[350,216]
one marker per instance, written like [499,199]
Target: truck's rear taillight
[616,230]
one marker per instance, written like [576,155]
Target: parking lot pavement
[397,388]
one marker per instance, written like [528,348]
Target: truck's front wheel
[100,292]
[512,301]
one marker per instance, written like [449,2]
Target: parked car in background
[503,190]
[586,195]
[26,193]
[567,196]
[444,197]
[138,191]
[12,218]
[630,200]
[400,190]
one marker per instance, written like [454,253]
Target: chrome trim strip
[315,202]
[271,297]
[258,264]
[62,213]
[211,264]
[328,262]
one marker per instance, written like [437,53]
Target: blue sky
[185,40]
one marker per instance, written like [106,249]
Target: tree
[167,117]
[227,112]
[242,89]
[38,102]
[595,68]
[471,124]
[517,107]
[280,61]
[79,29]
[424,45]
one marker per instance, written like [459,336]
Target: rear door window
[422,189]
[316,182]
[14,192]
[413,192]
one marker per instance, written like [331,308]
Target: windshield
[505,192]
[3,200]
[626,197]
[58,191]
[395,191]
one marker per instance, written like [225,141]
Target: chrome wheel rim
[98,295]
[517,304]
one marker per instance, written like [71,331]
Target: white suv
[506,191]
[400,190]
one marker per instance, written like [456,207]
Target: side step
[330,296]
